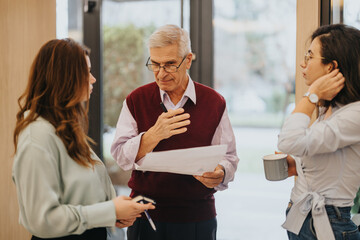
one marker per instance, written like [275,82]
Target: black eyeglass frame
[149,66]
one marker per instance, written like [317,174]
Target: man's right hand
[168,124]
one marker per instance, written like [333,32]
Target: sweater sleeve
[38,184]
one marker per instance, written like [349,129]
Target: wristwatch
[313,98]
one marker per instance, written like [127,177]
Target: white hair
[169,35]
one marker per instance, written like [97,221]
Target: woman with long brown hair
[63,188]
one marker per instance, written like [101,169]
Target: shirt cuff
[227,176]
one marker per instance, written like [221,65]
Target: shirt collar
[189,92]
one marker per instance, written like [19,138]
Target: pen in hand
[149,218]
[163,107]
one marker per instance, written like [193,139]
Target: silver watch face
[313,98]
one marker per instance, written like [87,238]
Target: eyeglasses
[169,68]
[308,56]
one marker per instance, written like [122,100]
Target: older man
[194,116]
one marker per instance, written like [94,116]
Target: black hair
[341,43]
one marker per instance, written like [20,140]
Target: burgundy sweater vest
[179,198]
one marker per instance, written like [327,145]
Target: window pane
[346,11]
[352,13]
[69,19]
[254,62]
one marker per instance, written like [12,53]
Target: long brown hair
[58,80]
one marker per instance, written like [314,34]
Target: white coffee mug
[276,167]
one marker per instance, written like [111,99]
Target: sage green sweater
[58,197]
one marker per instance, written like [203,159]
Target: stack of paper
[190,161]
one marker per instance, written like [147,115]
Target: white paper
[190,161]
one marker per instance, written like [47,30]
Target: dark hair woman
[63,188]
[327,153]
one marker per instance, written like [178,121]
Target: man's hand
[212,179]
[168,124]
